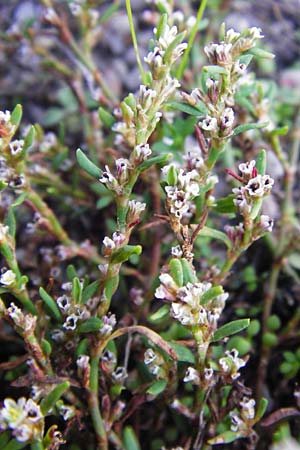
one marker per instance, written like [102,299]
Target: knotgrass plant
[122,334]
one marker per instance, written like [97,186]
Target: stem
[37,445]
[93,401]
[184,60]
[134,41]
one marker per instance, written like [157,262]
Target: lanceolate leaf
[157,387]
[215,234]
[230,328]
[124,253]
[50,304]
[183,353]
[87,165]
[249,126]
[16,116]
[50,400]
[130,441]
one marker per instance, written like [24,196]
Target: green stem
[93,401]
[37,445]
[184,60]
[134,41]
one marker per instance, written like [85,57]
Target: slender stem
[134,41]
[184,60]
[93,401]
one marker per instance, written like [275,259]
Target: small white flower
[63,303]
[109,322]
[14,413]
[67,412]
[135,209]
[23,433]
[191,375]
[176,251]
[141,152]
[248,408]
[182,313]
[119,375]
[209,124]
[236,421]
[259,186]
[146,97]
[149,356]
[109,243]
[265,223]
[208,373]
[8,278]
[247,168]
[255,33]
[75,9]
[232,36]
[219,53]
[3,232]
[16,146]
[83,361]
[70,322]
[227,118]
[15,313]
[118,238]
[34,413]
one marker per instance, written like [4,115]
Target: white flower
[135,209]
[63,303]
[146,97]
[191,375]
[232,35]
[255,33]
[5,117]
[167,37]
[208,373]
[141,152]
[248,408]
[236,421]
[259,186]
[67,412]
[15,313]
[76,9]
[83,361]
[34,413]
[265,223]
[118,238]
[183,314]
[209,124]
[176,251]
[70,322]
[108,178]
[219,53]
[119,374]
[247,167]
[8,278]
[109,243]
[16,146]
[3,232]
[149,356]
[109,322]
[227,118]
[23,433]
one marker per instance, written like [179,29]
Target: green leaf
[50,304]
[176,271]
[90,290]
[87,165]
[16,115]
[224,438]
[50,400]
[19,200]
[28,141]
[281,131]
[183,353]
[123,254]
[230,328]
[161,26]
[188,272]
[196,110]
[71,272]
[214,70]
[4,438]
[161,160]
[225,205]
[130,441]
[160,314]
[215,234]
[157,387]
[104,201]
[46,347]
[10,221]
[262,407]
[106,118]
[76,290]
[90,325]
[261,162]
[260,53]
[109,12]
[249,126]
[211,294]
[15,445]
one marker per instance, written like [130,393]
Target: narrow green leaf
[225,205]
[260,53]
[16,115]
[262,407]
[87,165]
[188,272]
[215,234]
[19,200]
[230,328]
[211,294]
[123,254]
[176,271]
[90,325]
[28,141]
[224,438]
[161,26]
[90,290]
[81,348]
[161,160]
[50,304]
[4,438]
[46,347]
[50,400]
[106,117]
[15,445]
[249,126]
[159,315]
[183,353]
[76,290]
[214,70]
[10,221]
[71,272]
[157,387]
[196,110]
[261,162]
[280,131]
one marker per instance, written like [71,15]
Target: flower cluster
[141,114]
[154,363]
[187,304]
[240,420]
[23,418]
